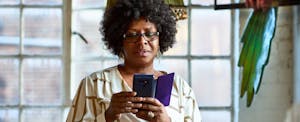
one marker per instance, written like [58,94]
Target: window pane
[42,81]
[87,23]
[210,32]
[211,80]
[85,68]
[9,2]
[216,116]
[179,66]
[9,115]
[210,2]
[88,3]
[9,82]
[180,47]
[42,115]
[9,31]
[43,31]
[43,2]
[66,112]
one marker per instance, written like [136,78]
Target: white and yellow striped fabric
[95,91]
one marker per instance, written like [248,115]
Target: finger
[259,4]
[142,114]
[264,8]
[131,105]
[124,110]
[247,3]
[149,107]
[128,110]
[122,102]
[132,99]
[126,107]
[124,94]
[137,105]
[119,110]
[134,110]
[252,3]
[152,101]
[125,104]
[266,4]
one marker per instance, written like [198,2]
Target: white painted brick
[285,16]
[284,32]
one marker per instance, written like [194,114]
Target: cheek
[155,47]
[125,49]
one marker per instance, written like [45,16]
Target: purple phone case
[164,88]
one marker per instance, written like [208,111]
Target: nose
[142,39]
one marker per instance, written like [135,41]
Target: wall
[276,92]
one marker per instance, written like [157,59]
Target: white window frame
[296,55]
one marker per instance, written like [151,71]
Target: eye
[149,34]
[130,35]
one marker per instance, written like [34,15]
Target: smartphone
[144,85]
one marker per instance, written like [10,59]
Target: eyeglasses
[134,37]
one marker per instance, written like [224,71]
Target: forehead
[141,24]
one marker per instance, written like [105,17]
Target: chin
[143,61]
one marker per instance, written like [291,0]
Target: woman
[137,31]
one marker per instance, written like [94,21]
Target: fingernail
[134,110]
[140,105]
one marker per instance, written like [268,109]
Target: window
[31,62]
[203,50]
[40,72]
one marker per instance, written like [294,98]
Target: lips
[143,53]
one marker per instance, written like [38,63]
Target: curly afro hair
[117,18]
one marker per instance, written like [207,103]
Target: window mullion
[189,45]
[21,48]
[234,69]
[67,22]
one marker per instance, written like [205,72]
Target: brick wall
[276,92]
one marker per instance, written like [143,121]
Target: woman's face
[141,42]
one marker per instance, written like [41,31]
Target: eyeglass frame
[137,35]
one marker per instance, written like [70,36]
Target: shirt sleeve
[85,106]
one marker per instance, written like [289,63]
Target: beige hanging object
[177,6]
[180,12]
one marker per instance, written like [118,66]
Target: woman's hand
[259,4]
[122,102]
[152,110]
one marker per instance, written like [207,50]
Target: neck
[133,68]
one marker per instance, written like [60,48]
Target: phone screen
[144,85]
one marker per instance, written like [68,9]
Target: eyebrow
[146,28]
[135,30]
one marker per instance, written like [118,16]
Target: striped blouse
[95,91]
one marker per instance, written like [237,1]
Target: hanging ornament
[180,12]
[177,6]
